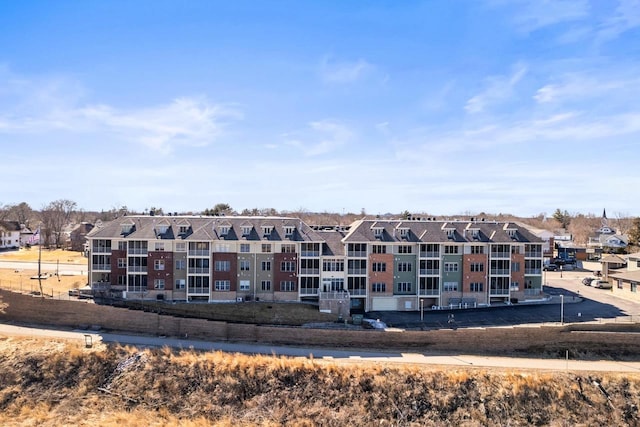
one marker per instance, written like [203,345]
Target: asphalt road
[340,356]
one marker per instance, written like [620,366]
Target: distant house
[9,235]
[626,281]
[606,240]
[78,236]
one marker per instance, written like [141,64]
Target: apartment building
[370,265]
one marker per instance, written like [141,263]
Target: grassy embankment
[52,383]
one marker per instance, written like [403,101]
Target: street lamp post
[562,309]
[421,310]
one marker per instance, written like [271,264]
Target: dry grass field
[56,286]
[53,383]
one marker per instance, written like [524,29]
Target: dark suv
[550,267]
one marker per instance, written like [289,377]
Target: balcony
[428,292]
[198,290]
[532,271]
[310,253]
[500,271]
[429,271]
[137,269]
[314,271]
[533,254]
[360,271]
[531,292]
[198,270]
[101,267]
[137,251]
[358,291]
[499,292]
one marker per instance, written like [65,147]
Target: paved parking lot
[579,304]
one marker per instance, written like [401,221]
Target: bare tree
[22,213]
[54,217]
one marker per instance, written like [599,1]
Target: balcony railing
[429,254]
[533,254]
[309,271]
[308,291]
[137,269]
[101,249]
[199,252]
[430,292]
[357,271]
[198,270]
[532,291]
[532,271]
[198,290]
[499,292]
[429,271]
[138,251]
[358,291]
[357,254]
[500,254]
[500,271]
[95,267]
[310,253]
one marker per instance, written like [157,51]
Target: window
[223,247]
[287,286]
[357,266]
[266,247]
[122,263]
[180,283]
[266,231]
[158,284]
[379,249]
[158,264]
[222,266]
[476,287]
[476,249]
[332,265]
[404,249]
[404,232]
[122,246]
[404,286]
[244,265]
[266,265]
[224,230]
[477,267]
[265,285]
[288,230]
[515,286]
[379,266]
[515,266]
[181,247]
[246,230]
[122,280]
[287,266]
[377,232]
[183,229]
[450,286]
[245,247]
[450,267]
[378,287]
[181,264]
[451,249]
[159,246]
[404,266]
[222,285]
[288,248]
[245,285]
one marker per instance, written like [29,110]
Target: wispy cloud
[625,18]
[321,137]
[498,89]
[578,86]
[343,72]
[41,105]
[531,15]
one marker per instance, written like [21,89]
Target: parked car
[550,267]
[601,284]
[587,280]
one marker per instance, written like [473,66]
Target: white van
[602,284]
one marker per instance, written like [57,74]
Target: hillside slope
[53,383]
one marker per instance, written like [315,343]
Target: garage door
[384,304]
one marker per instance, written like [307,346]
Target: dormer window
[266,231]
[183,229]
[246,230]
[450,233]
[403,232]
[224,230]
[288,230]
[378,231]
[126,228]
[512,232]
[161,229]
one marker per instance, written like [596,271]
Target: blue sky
[440,107]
